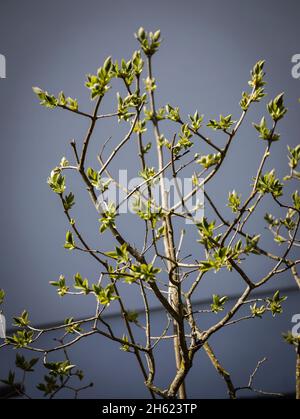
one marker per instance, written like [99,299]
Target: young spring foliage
[157,257]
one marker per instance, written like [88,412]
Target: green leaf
[120,254]
[251,244]
[150,42]
[59,369]
[196,121]
[20,339]
[224,123]
[71,328]
[209,160]
[108,218]
[234,201]
[257,311]
[69,243]
[23,320]
[291,339]
[257,75]
[49,386]
[125,347]
[218,303]
[57,182]
[72,104]
[274,303]
[265,132]
[105,295]
[69,201]
[93,176]
[296,200]
[147,173]
[10,381]
[47,100]
[61,286]
[276,108]
[271,220]
[99,84]
[25,365]
[81,284]
[173,113]
[294,156]
[144,272]
[268,183]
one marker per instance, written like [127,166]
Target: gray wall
[204,62]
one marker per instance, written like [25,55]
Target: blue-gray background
[204,62]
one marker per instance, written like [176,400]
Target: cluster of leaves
[23,337]
[294,158]
[126,70]
[81,284]
[288,222]
[265,132]
[142,272]
[150,42]
[276,108]
[71,326]
[184,142]
[23,320]
[26,366]
[133,101]
[277,111]
[105,294]
[108,218]
[20,339]
[57,182]
[273,304]
[120,254]
[220,258]
[291,339]
[196,121]
[210,160]
[59,373]
[257,83]
[172,113]
[62,288]
[70,242]
[224,123]
[68,201]
[50,101]
[98,84]
[95,179]
[147,173]
[146,211]
[234,201]
[206,230]
[218,255]
[268,183]
[218,303]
